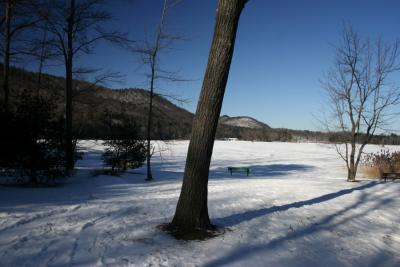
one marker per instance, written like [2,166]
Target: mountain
[93,103]
[243,121]
[94,106]
[169,120]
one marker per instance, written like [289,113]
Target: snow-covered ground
[295,209]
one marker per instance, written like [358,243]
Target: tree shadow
[270,170]
[328,223]
[235,219]
[83,189]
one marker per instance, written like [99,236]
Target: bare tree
[41,56]
[150,53]
[192,212]
[360,94]
[16,19]
[75,27]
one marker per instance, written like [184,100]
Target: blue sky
[283,48]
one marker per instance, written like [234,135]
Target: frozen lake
[295,209]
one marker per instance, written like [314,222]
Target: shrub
[375,164]
[31,141]
[123,154]
[123,150]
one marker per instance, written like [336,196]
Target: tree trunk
[192,211]
[69,147]
[6,54]
[352,171]
[148,134]
[351,174]
[33,178]
[41,63]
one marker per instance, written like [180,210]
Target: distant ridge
[170,122]
[244,122]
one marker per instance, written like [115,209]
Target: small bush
[123,154]
[375,164]
[123,150]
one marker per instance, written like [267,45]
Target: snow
[295,209]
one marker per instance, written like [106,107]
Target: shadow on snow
[328,223]
[235,219]
[269,170]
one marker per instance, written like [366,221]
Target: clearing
[295,209]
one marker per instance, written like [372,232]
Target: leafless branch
[360,92]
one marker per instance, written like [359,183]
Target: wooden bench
[239,169]
[390,175]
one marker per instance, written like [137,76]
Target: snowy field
[295,209]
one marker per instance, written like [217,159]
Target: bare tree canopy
[150,52]
[75,27]
[360,93]
[88,19]
[16,19]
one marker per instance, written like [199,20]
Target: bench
[390,175]
[239,169]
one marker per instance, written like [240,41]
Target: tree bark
[351,177]
[149,128]
[192,211]
[6,54]
[69,147]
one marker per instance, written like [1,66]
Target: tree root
[192,233]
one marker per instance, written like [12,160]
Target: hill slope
[243,121]
[92,104]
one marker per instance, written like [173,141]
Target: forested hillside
[96,105]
